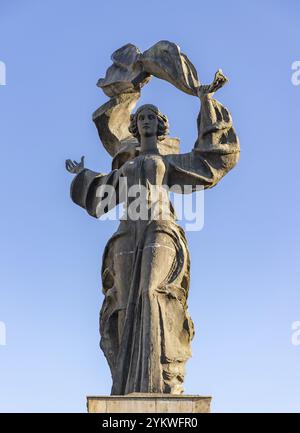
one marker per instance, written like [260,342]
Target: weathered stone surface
[145,326]
[126,74]
[149,403]
[165,61]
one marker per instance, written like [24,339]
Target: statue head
[148,121]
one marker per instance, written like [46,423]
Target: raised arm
[216,150]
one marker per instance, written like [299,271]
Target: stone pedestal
[148,403]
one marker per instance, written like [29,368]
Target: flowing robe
[145,327]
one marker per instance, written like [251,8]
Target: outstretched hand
[75,167]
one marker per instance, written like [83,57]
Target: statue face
[147,123]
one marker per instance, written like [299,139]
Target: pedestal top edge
[134,396]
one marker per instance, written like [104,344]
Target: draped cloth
[145,327]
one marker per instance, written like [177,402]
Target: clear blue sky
[245,273]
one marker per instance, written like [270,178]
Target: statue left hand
[75,167]
[219,80]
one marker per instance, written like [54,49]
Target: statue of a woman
[145,327]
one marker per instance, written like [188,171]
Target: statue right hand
[75,167]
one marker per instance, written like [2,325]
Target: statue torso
[147,173]
[143,168]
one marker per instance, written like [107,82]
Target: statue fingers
[69,165]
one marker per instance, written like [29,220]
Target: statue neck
[149,145]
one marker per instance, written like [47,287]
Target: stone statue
[145,327]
